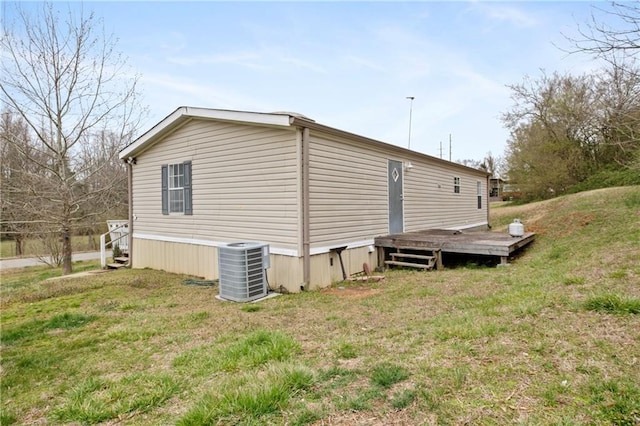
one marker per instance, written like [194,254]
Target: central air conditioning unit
[242,268]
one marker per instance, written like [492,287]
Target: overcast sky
[350,65]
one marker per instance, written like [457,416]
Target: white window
[176,188]
[456,185]
[479,191]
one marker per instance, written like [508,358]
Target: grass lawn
[33,247]
[552,339]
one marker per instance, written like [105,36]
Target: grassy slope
[479,345]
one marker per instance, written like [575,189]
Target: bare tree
[613,35]
[619,114]
[489,164]
[469,162]
[492,164]
[13,171]
[603,40]
[64,78]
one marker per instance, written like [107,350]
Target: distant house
[202,178]
[496,187]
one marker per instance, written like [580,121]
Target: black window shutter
[165,189]
[188,204]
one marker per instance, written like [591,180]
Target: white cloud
[291,59]
[363,62]
[167,92]
[506,13]
[242,59]
[269,59]
[173,42]
[352,65]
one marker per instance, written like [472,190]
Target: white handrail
[103,250]
[103,243]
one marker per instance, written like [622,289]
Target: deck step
[115,265]
[121,259]
[408,264]
[413,256]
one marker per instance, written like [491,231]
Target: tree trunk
[91,241]
[66,251]
[19,245]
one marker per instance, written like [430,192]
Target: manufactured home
[316,195]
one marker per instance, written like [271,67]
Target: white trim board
[208,243]
[351,245]
[272,249]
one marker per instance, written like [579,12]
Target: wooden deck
[449,241]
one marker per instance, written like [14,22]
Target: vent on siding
[242,268]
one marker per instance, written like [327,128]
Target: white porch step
[115,265]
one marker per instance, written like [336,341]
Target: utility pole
[410,114]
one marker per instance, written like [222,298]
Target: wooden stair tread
[115,265]
[409,264]
[121,259]
[413,256]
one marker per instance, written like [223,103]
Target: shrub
[116,250]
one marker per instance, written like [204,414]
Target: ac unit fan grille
[242,274]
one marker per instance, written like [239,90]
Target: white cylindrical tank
[516,228]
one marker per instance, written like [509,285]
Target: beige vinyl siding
[348,191]
[245,185]
[430,201]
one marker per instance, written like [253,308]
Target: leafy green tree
[553,138]
[566,129]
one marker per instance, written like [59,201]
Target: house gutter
[306,239]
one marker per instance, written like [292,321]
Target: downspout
[306,239]
[488,201]
[130,163]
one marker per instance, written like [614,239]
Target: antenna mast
[410,114]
